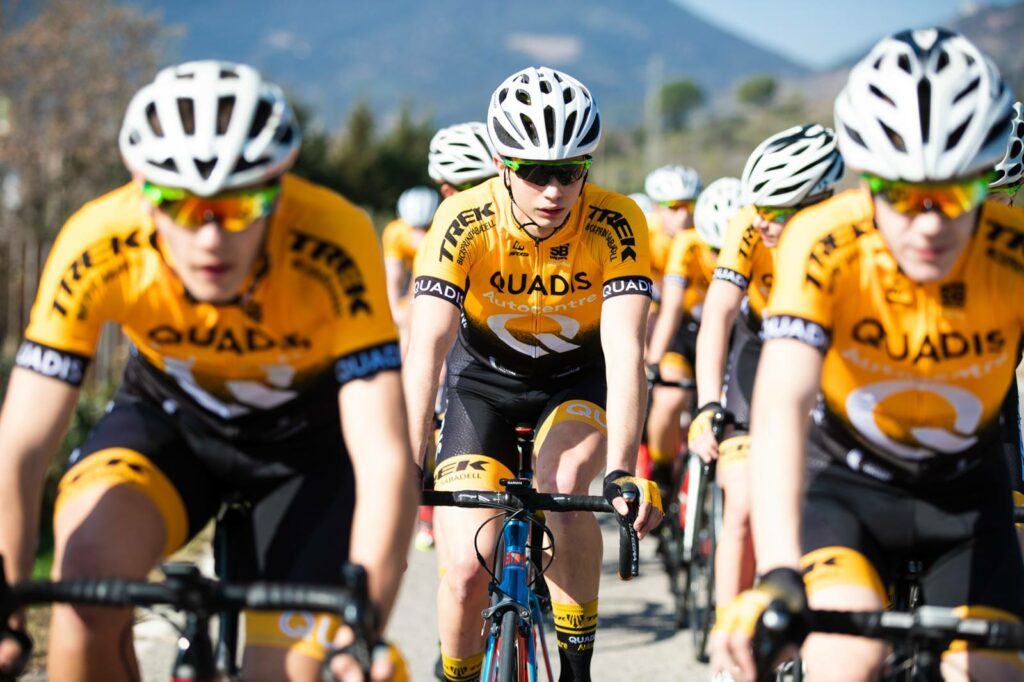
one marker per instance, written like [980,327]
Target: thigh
[571,438]
[134,465]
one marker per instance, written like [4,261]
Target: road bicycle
[515,617]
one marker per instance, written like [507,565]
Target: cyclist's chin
[212,287]
[549,218]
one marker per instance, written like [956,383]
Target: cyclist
[203,260]
[792,169]
[673,189]
[550,277]
[899,302]
[672,349]
[460,157]
[401,240]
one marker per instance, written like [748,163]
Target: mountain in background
[445,57]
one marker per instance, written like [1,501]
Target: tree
[678,100]
[757,91]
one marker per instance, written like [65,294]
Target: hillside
[446,56]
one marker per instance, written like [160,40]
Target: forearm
[669,317]
[779,421]
[431,334]
[21,488]
[622,340]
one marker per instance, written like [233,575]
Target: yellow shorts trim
[840,567]
[1018,501]
[470,472]
[583,411]
[120,466]
[304,632]
[1014,658]
[672,360]
[732,451]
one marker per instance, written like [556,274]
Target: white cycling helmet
[924,105]
[672,183]
[643,201]
[1010,170]
[416,205]
[460,154]
[792,167]
[208,127]
[716,205]
[540,114]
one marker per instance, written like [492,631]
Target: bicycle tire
[508,657]
[703,574]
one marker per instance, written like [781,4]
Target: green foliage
[758,91]
[678,100]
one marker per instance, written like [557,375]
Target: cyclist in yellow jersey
[401,240]
[550,277]
[790,170]
[688,273]
[255,305]
[898,303]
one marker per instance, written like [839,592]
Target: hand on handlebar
[706,430]
[387,663]
[15,649]
[741,643]
[650,512]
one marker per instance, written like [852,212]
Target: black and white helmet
[716,205]
[791,167]
[417,205]
[924,105]
[208,127]
[461,153]
[673,183]
[1010,170]
[540,114]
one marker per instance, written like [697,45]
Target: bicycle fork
[513,593]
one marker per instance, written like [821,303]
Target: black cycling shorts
[682,351]
[302,489]
[741,368]
[477,446]
[861,531]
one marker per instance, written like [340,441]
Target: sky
[819,33]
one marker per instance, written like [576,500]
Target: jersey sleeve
[394,234]
[736,258]
[366,339]
[801,302]
[625,245]
[450,248]
[80,289]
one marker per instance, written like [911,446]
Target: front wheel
[509,648]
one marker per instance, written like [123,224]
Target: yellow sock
[575,629]
[462,669]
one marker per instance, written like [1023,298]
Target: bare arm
[387,494]
[785,390]
[622,337]
[721,305]
[394,273]
[434,323]
[34,419]
[669,316]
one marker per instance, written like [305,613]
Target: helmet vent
[595,129]
[259,119]
[545,87]
[523,97]
[882,96]
[530,129]
[942,62]
[924,107]
[186,110]
[226,73]
[904,63]
[570,126]
[503,135]
[1015,148]
[285,134]
[971,87]
[1020,129]
[894,138]
[154,120]
[854,135]
[549,125]
[998,130]
[225,106]
[954,137]
[1016,169]
[243,165]
[205,168]
[167,165]
[568,95]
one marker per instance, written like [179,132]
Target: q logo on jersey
[547,342]
[862,406]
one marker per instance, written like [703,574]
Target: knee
[843,659]
[466,578]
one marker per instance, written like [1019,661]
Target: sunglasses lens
[775,214]
[234,212]
[677,204]
[951,200]
[565,173]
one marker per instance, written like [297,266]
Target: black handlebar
[629,543]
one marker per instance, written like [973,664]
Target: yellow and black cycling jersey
[910,369]
[400,242]
[660,244]
[746,262]
[531,308]
[691,265]
[313,314]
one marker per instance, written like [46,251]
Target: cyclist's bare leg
[664,432]
[838,657]
[113,532]
[734,556]
[462,592]
[570,457]
[267,664]
[996,666]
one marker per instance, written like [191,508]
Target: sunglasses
[1011,190]
[673,204]
[233,211]
[776,214]
[951,199]
[541,172]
